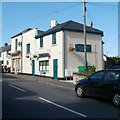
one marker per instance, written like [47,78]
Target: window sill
[54,45]
[40,48]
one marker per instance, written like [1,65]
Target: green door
[33,67]
[55,68]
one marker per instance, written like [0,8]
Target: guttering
[73,30]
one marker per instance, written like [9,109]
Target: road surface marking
[80,114]
[17,88]
[58,85]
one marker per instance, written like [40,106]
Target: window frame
[80,48]
[41,42]
[54,39]
[16,44]
[44,65]
[27,50]
[88,48]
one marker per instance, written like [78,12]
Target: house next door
[55,68]
[33,67]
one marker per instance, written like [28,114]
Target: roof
[28,29]
[5,48]
[71,26]
[40,32]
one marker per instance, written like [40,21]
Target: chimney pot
[6,44]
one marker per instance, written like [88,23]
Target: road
[25,96]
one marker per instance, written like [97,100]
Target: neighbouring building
[23,44]
[59,51]
[5,58]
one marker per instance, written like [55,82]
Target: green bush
[86,73]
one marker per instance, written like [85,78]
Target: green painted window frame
[88,48]
[41,42]
[44,65]
[54,38]
[28,48]
[79,47]
[16,43]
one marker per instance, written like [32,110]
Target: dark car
[103,84]
[115,67]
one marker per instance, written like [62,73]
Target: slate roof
[70,26]
[26,30]
[5,48]
[22,32]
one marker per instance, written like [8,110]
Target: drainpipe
[63,53]
[21,53]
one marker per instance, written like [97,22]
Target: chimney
[6,44]
[91,25]
[53,23]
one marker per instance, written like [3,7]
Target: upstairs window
[41,42]
[54,38]
[28,48]
[16,43]
[88,48]
[79,47]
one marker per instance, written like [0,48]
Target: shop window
[44,65]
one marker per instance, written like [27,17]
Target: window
[41,42]
[28,48]
[97,75]
[88,48]
[44,65]
[16,42]
[79,47]
[54,38]
[112,76]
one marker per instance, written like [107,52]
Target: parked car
[103,84]
[115,67]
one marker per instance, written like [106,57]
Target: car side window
[97,76]
[112,76]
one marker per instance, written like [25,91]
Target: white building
[19,50]
[5,58]
[59,51]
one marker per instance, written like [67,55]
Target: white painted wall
[75,59]
[28,37]
[54,50]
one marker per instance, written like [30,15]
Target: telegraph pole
[84,15]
